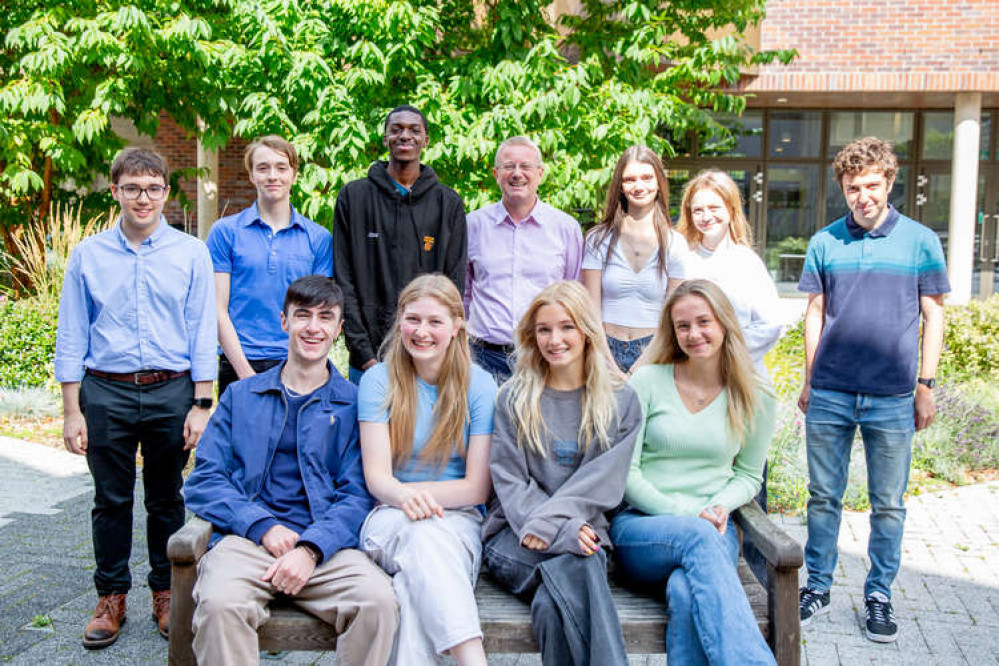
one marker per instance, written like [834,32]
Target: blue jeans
[496,363]
[886,426]
[710,620]
[626,352]
[354,375]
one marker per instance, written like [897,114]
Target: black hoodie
[382,240]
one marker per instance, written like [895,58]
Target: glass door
[986,266]
[791,200]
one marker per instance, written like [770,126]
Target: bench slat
[506,620]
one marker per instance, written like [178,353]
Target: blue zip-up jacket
[237,450]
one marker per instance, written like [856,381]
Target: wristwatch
[203,403]
[928,383]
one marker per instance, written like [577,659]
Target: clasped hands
[589,541]
[717,515]
[294,564]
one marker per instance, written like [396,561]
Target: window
[895,126]
[795,134]
[746,139]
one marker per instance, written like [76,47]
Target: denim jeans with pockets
[710,621]
[886,425]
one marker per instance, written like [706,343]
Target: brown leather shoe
[161,612]
[102,630]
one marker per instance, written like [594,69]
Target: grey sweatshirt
[552,496]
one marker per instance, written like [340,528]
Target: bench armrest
[190,542]
[184,549]
[780,551]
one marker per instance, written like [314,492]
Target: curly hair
[869,153]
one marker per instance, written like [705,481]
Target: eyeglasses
[510,167]
[153,192]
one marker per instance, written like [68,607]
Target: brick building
[923,73]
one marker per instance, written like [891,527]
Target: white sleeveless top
[629,298]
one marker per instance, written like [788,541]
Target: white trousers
[434,564]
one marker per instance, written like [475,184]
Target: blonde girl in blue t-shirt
[426,421]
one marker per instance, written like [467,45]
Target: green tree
[325,72]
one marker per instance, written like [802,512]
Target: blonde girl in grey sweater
[563,435]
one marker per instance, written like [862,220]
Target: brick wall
[915,45]
[235,191]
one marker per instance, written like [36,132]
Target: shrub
[971,341]
[27,342]
[42,252]
[786,362]
[963,438]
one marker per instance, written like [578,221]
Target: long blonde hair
[531,373]
[451,411]
[616,206]
[721,184]
[738,373]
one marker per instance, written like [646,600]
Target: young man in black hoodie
[390,227]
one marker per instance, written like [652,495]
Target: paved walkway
[946,596]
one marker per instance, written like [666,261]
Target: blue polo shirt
[871,282]
[261,265]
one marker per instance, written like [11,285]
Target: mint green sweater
[685,462]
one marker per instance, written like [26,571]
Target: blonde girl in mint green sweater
[707,422]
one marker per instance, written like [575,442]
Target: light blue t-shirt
[371,395]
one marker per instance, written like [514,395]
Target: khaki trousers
[348,592]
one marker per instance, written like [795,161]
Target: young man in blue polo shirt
[135,353]
[279,476]
[257,253]
[870,276]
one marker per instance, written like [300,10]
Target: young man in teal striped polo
[871,276]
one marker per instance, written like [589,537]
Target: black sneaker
[881,625]
[811,603]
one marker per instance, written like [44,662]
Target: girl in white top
[633,257]
[425,418]
[712,221]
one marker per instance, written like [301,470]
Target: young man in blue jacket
[279,476]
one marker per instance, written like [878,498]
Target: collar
[884,229]
[252,214]
[152,240]
[502,214]
[336,388]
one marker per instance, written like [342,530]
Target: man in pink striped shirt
[516,247]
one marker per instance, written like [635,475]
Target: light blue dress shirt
[125,310]
[261,265]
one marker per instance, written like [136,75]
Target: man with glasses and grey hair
[516,247]
[135,354]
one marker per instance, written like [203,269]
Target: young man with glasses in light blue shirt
[135,354]
[256,254]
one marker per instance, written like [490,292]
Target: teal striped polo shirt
[872,282]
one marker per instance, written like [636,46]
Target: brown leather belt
[142,378]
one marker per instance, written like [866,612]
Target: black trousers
[121,416]
[227,374]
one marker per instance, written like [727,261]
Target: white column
[963,195]
[208,187]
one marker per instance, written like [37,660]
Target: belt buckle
[145,377]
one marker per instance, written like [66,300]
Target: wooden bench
[505,620]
